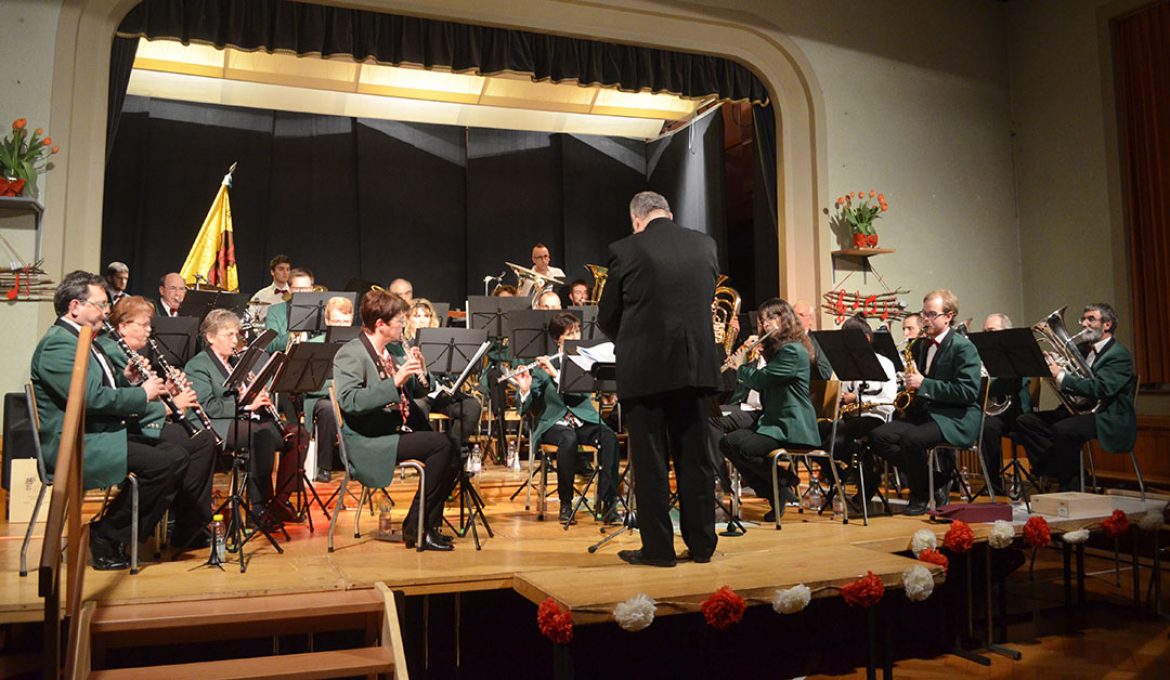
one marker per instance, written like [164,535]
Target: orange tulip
[19,124]
[885,207]
[839,202]
[882,198]
[861,194]
[56,149]
[872,193]
[40,131]
[47,141]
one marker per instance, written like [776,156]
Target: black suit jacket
[657,307]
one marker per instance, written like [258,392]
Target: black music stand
[883,344]
[305,370]
[528,331]
[589,328]
[235,503]
[1012,353]
[488,312]
[175,337]
[341,334]
[306,311]
[198,303]
[441,310]
[450,349]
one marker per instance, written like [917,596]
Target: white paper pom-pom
[918,583]
[791,600]
[1151,521]
[923,539]
[635,613]
[1002,534]
[1074,537]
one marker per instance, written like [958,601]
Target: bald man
[402,288]
[821,369]
[172,290]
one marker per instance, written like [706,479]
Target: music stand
[361,286]
[589,328]
[449,350]
[341,334]
[306,311]
[175,337]
[441,309]
[305,370]
[198,303]
[528,331]
[594,377]
[883,344]
[488,312]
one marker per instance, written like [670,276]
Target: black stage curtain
[307,29]
[121,63]
[687,168]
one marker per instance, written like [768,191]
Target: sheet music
[471,364]
[587,356]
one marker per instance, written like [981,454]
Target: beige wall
[27,46]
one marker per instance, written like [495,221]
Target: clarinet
[181,383]
[143,367]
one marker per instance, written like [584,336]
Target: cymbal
[258,303]
[526,273]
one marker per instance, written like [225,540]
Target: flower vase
[859,240]
[871,240]
[11,186]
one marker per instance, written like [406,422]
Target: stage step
[337,664]
[373,611]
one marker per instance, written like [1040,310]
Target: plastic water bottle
[475,460]
[218,536]
[814,497]
[513,457]
[385,527]
[838,507]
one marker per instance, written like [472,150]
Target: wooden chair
[367,492]
[826,399]
[975,451]
[1087,454]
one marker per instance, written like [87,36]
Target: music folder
[1012,352]
[251,355]
[598,377]
[883,344]
[175,337]
[851,355]
[267,373]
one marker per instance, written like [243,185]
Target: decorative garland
[1002,535]
[923,539]
[723,608]
[1116,525]
[935,557]
[555,623]
[1036,532]
[959,538]
[864,592]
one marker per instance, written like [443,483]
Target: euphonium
[1065,354]
[724,308]
[600,274]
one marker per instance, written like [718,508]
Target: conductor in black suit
[657,307]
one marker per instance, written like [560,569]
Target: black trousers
[159,466]
[567,439]
[904,444]
[1053,441]
[264,439]
[435,450]
[672,424]
[748,451]
[326,434]
[463,411]
[850,435]
[717,426]
[191,508]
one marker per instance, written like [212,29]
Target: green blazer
[1112,384]
[546,399]
[151,423]
[950,390]
[207,374]
[369,408]
[277,320]
[788,415]
[821,368]
[106,407]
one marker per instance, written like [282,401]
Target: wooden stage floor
[537,559]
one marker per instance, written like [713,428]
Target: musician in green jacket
[1053,439]
[568,421]
[788,417]
[369,383]
[318,407]
[110,452]
[946,381]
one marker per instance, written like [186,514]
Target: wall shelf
[18,206]
[862,254]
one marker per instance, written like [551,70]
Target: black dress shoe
[636,557]
[323,477]
[282,511]
[107,555]
[445,538]
[686,556]
[915,508]
[566,515]
[612,516]
[430,541]
[942,496]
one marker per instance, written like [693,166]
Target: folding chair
[1087,453]
[976,450]
[826,398]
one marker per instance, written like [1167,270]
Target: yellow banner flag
[212,260]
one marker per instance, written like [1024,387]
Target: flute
[746,347]
[520,369]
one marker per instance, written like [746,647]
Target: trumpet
[520,369]
[143,366]
[746,348]
[180,382]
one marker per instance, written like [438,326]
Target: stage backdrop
[355,198]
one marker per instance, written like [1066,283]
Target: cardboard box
[26,484]
[1072,504]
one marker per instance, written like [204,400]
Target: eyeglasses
[1090,317]
[144,324]
[104,304]
[931,316]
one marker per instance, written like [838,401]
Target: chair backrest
[1034,393]
[984,395]
[341,450]
[826,398]
[34,419]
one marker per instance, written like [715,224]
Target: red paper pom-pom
[959,538]
[934,557]
[865,592]
[1117,524]
[1036,531]
[723,609]
[555,623]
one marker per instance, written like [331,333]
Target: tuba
[1064,353]
[600,274]
[724,308]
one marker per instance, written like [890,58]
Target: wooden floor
[540,559]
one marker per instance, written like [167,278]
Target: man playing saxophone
[1053,439]
[946,403]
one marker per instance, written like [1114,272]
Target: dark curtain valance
[306,29]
